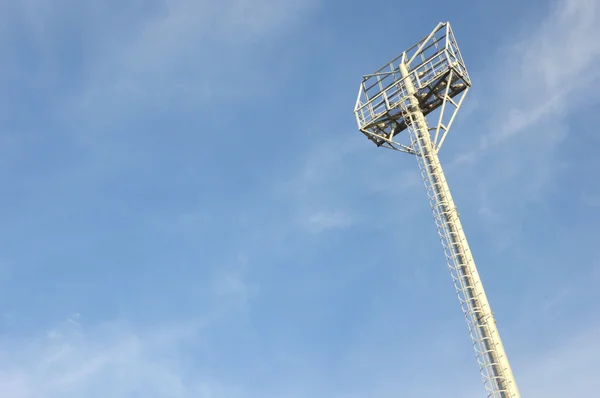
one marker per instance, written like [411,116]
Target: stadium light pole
[421,91]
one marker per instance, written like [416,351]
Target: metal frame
[430,78]
[438,74]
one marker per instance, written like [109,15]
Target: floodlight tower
[421,91]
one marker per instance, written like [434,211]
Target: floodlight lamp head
[429,75]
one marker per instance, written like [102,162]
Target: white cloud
[76,359]
[113,360]
[542,81]
[338,184]
[102,68]
[322,221]
[544,76]
[152,55]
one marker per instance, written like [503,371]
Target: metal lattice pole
[431,77]
[494,366]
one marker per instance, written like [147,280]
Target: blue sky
[188,209]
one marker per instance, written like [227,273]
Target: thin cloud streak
[530,102]
[554,65]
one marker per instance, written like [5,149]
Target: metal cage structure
[435,69]
[421,91]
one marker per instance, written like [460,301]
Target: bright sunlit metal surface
[421,91]
[438,73]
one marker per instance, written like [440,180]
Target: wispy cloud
[323,221]
[543,79]
[70,361]
[79,358]
[132,61]
[341,183]
[192,50]
[548,77]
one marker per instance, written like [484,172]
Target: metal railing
[388,91]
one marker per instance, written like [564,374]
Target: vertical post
[494,365]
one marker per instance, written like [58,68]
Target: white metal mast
[426,80]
